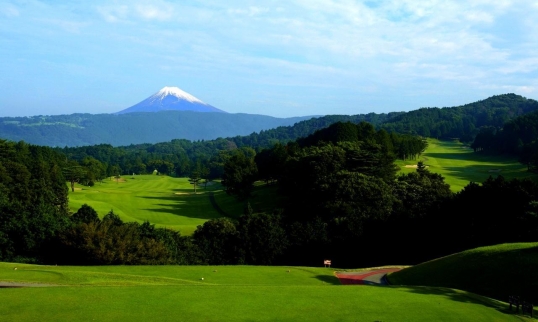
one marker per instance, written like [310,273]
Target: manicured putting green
[460,165]
[162,200]
[227,293]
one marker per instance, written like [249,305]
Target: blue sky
[279,58]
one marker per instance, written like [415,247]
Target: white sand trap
[190,193]
[414,166]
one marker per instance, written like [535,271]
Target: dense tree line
[464,121]
[33,199]
[518,137]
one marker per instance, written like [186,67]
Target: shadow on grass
[473,156]
[190,207]
[333,280]
[460,296]
[480,173]
[453,156]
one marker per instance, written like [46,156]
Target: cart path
[369,277]
[216,205]
[16,285]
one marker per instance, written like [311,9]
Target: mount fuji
[170,98]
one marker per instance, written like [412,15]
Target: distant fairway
[164,201]
[460,165]
[227,293]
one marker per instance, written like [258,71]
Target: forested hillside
[256,131]
[518,137]
[132,128]
[464,121]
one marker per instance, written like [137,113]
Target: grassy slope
[164,201]
[460,165]
[233,293]
[494,271]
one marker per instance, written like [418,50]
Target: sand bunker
[190,193]
[414,166]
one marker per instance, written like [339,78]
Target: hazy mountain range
[174,114]
[168,114]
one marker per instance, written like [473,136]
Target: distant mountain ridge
[260,131]
[171,99]
[134,128]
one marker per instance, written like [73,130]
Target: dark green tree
[194,178]
[240,173]
[85,214]
[217,240]
[74,173]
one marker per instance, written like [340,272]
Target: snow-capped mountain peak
[171,98]
[177,92]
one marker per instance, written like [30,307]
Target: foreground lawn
[164,201]
[460,165]
[232,293]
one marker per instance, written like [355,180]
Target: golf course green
[460,165]
[161,200]
[226,293]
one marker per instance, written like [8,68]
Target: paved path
[369,277]
[215,205]
[15,284]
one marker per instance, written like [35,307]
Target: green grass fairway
[232,293]
[495,271]
[164,201]
[460,165]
